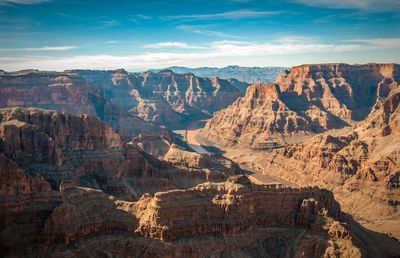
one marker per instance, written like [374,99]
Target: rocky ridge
[80,148]
[70,93]
[121,99]
[359,164]
[244,74]
[363,162]
[231,218]
[308,99]
[165,97]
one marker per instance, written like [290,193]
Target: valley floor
[191,137]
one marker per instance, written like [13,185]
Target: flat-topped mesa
[229,208]
[386,70]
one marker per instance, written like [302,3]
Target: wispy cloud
[170,44]
[370,5]
[141,16]
[232,15]
[203,31]
[111,42]
[137,18]
[57,48]
[24,2]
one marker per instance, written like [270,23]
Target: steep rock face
[308,99]
[81,148]
[166,97]
[119,98]
[71,93]
[231,217]
[212,208]
[66,92]
[346,91]
[14,180]
[254,118]
[25,201]
[59,146]
[360,165]
[225,219]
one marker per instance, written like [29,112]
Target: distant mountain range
[244,74]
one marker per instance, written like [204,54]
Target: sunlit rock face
[307,99]
[129,102]
[71,93]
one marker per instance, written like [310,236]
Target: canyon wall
[81,148]
[308,99]
[231,218]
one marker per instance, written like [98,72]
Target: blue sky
[138,35]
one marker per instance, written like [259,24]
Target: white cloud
[232,15]
[111,42]
[170,44]
[26,2]
[370,5]
[203,31]
[59,48]
[141,16]
[215,53]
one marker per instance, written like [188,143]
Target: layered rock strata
[360,165]
[71,93]
[166,97]
[230,219]
[306,100]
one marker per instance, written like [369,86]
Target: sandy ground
[192,131]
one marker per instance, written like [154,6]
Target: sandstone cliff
[81,148]
[71,93]
[308,99]
[226,219]
[121,99]
[165,97]
[360,165]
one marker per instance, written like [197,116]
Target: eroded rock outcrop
[308,99]
[165,97]
[71,93]
[219,209]
[360,165]
[231,218]
[63,147]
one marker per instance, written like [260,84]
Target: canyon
[131,103]
[92,164]
[342,135]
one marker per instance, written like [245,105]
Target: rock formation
[165,97]
[119,98]
[258,117]
[307,100]
[244,74]
[360,165]
[74,186]
[63,147]
[70,93]
[231,218]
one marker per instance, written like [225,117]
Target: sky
[139,35]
